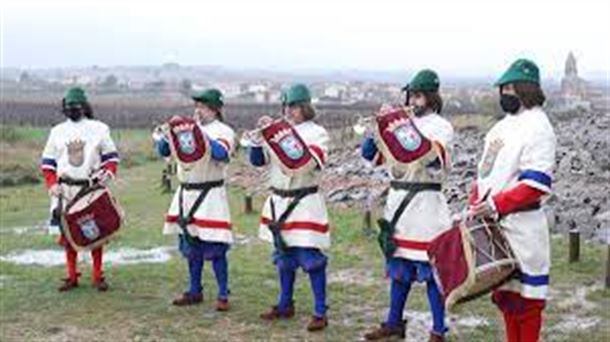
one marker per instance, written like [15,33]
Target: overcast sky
[460,38]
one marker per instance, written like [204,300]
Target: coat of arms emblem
[89,228]
[292,147]
[76,152]
[489,157]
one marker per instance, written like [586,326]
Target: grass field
[137,308]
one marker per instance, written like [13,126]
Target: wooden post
[608,265]
[367,221]
[368,217]
[248,204]
[574,245]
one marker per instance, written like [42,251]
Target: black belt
[275,226]
[301,192]
[387,228]
[74,182]
[183,221]
[202,186]
[415,186]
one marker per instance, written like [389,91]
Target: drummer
[514,174]
[416,207]
[78,150]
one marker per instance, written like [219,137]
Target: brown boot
[68,284]
[317,323]
[188,299]
[436,338]
[101,285]
[222,305]
[385,331]
[275,313]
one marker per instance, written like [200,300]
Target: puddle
[122,256]
[572,322]
[40,228]
[352,276]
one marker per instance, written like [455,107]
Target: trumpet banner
[288,148]
[187,141]
[399,140]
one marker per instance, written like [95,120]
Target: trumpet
[363,123]
[253,137]
[160,131]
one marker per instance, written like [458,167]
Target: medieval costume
[514,173]
[199,211]
[294,216]
[79,151]
[416,210]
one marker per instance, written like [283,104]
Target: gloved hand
[55,190]
[102,177]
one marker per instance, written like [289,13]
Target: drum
[91,218]
[471,259]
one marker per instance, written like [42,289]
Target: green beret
[522,70]
[75,96]
[212,97]
[298,93]
[425,80]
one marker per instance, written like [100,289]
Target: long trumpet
[364,123]
[253,137]
[160,131]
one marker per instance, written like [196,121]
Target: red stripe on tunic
[300,225]
[211,224]
[412,244]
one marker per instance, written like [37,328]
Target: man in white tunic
[305,230]
[416,209]
[77,151]
[199,211]
[514,173]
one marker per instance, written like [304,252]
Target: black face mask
[510,103]
[420,111]
[74,114]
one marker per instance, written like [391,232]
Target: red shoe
[188,299]
[222,305]
[101,285]
[68,284]
[317,323]
[274,313]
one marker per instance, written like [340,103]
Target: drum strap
[204,188]
[276,223]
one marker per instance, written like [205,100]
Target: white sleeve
[537,160]
[318,146]
[108,149]
[50,154]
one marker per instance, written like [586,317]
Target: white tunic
[427,215]
[77,150]
[521,148]
[307,226]
[212,220]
